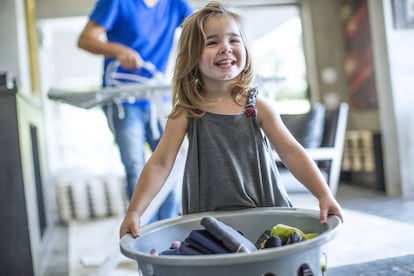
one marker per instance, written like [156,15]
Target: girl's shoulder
[266,110]
[263,104]
[178,117]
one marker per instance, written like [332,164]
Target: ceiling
[70,8]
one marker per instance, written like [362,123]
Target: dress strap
[250,107]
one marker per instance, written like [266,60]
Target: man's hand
[130,60]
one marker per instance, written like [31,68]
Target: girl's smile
[226,63]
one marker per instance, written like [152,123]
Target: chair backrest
[335,126]
[307,128]
[326,127]
[334,137]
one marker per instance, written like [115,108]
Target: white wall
[14,49]
[400,43]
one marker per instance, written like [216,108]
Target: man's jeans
[131,126]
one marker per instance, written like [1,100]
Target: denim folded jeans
[131,125]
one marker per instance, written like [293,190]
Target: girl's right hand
[130,225]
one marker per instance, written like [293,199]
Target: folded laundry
[220,238]
[273,241]
[197,246]
[202,238]
[285,232]
[262,239]
[216,238]
[184,249]
[294,238]
[232,239]
[282,235]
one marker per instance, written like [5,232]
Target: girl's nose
[225,49]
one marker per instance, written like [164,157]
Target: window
[278,55]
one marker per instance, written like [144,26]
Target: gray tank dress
[230,164]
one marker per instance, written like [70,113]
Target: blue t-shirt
[147,30]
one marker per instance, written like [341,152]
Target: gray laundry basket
[281,261]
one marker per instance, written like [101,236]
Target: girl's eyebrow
[228,34]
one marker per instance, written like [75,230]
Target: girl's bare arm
[155,173]
[296,159]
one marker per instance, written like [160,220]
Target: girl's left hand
[329,206]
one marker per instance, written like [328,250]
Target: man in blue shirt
[137,32]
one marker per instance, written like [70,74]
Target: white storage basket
[89,196]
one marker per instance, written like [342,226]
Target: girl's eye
[209,43]
[235,40]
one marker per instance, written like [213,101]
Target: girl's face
[224,55]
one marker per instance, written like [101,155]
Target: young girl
[229,164]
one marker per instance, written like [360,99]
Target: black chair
[322,132]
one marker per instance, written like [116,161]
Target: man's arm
[91,40]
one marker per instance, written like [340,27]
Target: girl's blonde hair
[187,84]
